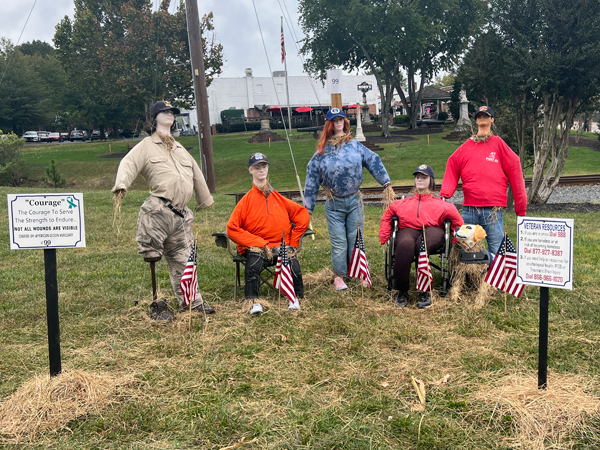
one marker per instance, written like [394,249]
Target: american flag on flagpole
[283,275]
[424,275]
[503,273]
[189,279]
[359,266]
[282,43]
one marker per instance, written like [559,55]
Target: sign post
[47,221]
[545,259]
[335,86]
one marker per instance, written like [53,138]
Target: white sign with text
[335,81]
[46,221]
[545,252]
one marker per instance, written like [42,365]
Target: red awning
[352,107]
[304,109]
[274,108]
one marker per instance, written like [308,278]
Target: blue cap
[425,170]
[486,110]
[335,112]
[257,158]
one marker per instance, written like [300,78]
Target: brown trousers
[408,244]
[160,232]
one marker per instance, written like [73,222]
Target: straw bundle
[45,404]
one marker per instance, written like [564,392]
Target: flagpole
[196,287]
[287,88]
[427,256]
[362,286]
[504,272]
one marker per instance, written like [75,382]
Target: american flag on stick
[503,273]
[359,266]
[282,278]
[282,43]
[189,279]
[424,275]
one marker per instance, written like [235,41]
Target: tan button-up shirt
[172,175]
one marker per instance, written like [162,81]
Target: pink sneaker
[339,284]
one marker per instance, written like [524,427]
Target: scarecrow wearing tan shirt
[164,225]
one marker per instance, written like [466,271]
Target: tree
[32,86]
[122,57]
[420,36]
[540,58]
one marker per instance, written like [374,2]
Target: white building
[250,92]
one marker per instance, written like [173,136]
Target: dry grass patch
[45,404]
[542,419]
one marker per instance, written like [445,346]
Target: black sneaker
[424,300]
[401,299]
[160,312]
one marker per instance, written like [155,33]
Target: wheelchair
[438,259]
[266,276]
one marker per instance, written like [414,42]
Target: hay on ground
[542,418]
[468,278]
[45,404]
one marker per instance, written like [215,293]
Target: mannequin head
[166,123]
[258,166]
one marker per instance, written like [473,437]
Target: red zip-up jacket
[485,169]
[258,220]
[416,211]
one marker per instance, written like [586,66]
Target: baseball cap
[335,112]
[486,110]
[161,106]
[257,158]
[425,170]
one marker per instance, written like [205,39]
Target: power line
[19,40]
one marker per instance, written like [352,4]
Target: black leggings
[408,244]
[254,266]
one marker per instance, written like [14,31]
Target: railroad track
[373,194]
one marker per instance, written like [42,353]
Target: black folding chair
[438,259]
[266,276]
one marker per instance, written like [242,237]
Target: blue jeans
[343,215]
[492,223]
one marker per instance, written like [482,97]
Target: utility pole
[200,94]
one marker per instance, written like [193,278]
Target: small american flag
[503,273]
[189,280]
[359,266]
[424,275]
[282,43]
[283,275]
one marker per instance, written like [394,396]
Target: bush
[402,119]
[443,116]
[11,164]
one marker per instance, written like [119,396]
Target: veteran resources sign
[45,221]
[545,252]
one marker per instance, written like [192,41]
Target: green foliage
[443,116]
[421,37]
[401,119]
[11,162]
[53,178]
[121,56]
[32,92]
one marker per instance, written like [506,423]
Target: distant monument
[463,120]
[265,134]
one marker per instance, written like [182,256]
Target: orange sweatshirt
[257,221]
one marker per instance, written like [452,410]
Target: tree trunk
[551,148]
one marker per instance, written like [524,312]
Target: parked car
[78,135]
[43,136]
[95,135]
[187,132]
[64,136]
[54,137]
[31,136]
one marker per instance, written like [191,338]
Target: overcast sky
[235,23]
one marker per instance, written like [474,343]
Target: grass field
[336,375]
[81,166]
